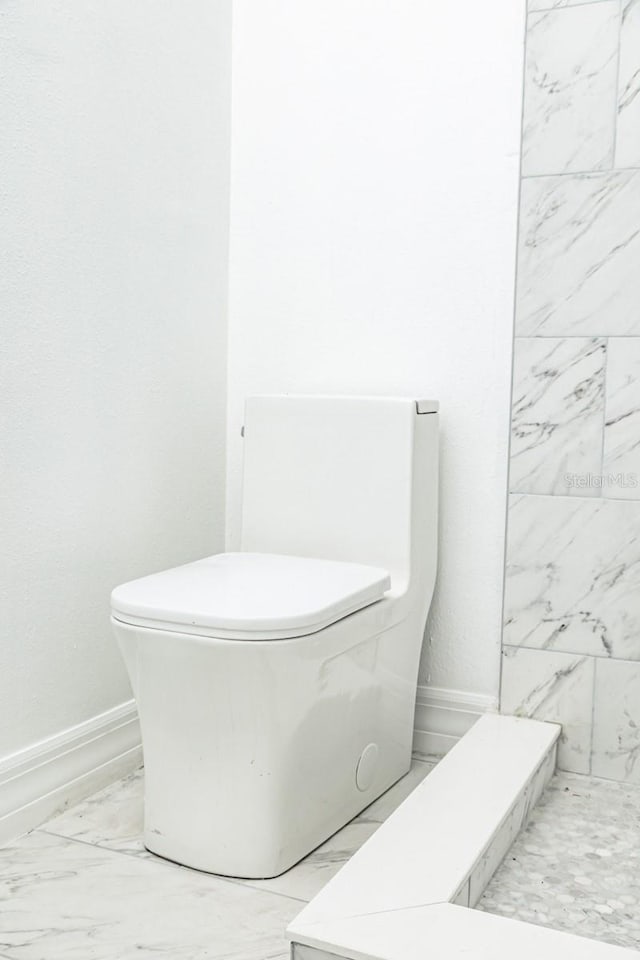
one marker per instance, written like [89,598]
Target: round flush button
[366,769]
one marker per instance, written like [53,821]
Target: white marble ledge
[427,851]
[444,930]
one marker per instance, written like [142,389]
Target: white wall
[373,222]
[113,198]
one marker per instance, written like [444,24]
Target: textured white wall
[373,222]
[113,198]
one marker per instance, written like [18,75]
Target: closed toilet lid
[249,596]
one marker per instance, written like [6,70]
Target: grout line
[576,497]
[568,6]
[162,862]
[603,172]
[604,407]
[593,713]
[578,336]
[616,92]
[513,359]
[574,653]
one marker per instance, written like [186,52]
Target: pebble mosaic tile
[576,867]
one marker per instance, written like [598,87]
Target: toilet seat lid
[249,596]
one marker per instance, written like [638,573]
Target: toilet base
[257,752]
[253,871]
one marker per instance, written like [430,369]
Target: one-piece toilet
[276,686]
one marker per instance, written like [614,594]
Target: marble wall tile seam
[557,496]
[616,91]
[593,713]
[604,417]
[561,5]
[622,420]
[596,496]
[627,144]
[591,174]
[596,657]
[576,336]
[569,652]
[514,304]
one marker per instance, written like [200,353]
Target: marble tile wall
[571,643]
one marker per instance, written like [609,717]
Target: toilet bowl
[276,685]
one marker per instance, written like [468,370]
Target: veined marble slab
[111,818]
[63,900]
[558,687]
[628,129]
[573,575]
[557,413]
[616,726]
[622,422]
[570,83]
[579,249]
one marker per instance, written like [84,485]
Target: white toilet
[276,686]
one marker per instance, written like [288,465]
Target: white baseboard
[43,779]
[443,716]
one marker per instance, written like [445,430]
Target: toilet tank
[336,478]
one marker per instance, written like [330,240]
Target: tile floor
[82,887]
[576,867]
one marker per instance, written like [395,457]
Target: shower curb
[407,893]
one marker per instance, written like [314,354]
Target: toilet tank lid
[250,595]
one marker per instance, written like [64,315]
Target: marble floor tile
[576,866]
[570,83]
[622,421]
[628,127]
[65,900]
[112,817]
[557,687]
[616,721]
[557,414]
[578,254]
[573,575]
